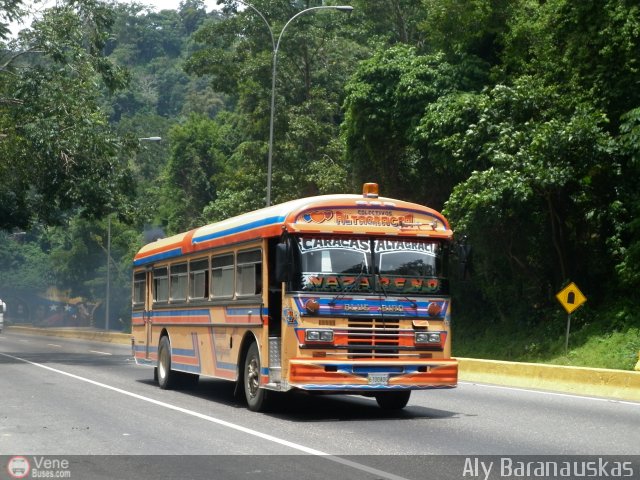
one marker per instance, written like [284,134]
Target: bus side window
[138,288]
[178,282]
[249,273]
[160,285]
[222,276]
[199,279]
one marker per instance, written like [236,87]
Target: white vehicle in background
[3,307]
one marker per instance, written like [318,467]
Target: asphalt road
[89,403]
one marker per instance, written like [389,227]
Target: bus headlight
[427,337]
[315,335]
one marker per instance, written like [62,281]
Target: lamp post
[108,293]
[276,47]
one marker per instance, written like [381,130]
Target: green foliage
[467,27]
[386,100]
[58,151]
[542,205]
[77,253]
[23,264]
[10,11]
[589,46]
[389,22]
[625,245]
[314,59]
[194,161]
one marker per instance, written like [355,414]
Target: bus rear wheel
[256,396]
[167,378]
[393,400]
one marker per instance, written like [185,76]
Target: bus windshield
[362,265]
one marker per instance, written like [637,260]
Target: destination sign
[359,217]
[310,244]
[367,283]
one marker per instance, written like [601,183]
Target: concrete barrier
[85,334]
[600,382]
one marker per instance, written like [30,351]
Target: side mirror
[283,263]
[464,256]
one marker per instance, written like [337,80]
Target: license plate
[378,379]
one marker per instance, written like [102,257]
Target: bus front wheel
[256,396]
[166,377]
[393,400]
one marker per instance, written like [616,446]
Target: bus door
[147,315]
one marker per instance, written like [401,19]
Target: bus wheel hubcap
[252,377]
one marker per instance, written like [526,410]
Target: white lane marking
[555,394]
[99,352]
[224,423]
[23,341]
[54,345]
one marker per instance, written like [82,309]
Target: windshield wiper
[344,292]
[413,303]
[381,285]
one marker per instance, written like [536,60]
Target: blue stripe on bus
[226,366]
[187,368]
[185,352]
[176,252]
[247,226]
[179,313]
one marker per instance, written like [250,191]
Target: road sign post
[571,298]
[566,338]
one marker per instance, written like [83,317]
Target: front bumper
[371,375]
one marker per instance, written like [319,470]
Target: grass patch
[598,339]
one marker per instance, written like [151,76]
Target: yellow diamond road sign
[571,297]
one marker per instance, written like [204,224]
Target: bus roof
[326,214]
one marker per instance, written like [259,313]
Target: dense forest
[520,119]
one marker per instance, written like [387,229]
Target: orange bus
[342,294]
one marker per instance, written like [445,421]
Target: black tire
[393,400]
[167,378]
[256,396]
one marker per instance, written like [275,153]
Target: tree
[57,150]
[23,264]
[194,161]
[542,209]
[313,63]
[386,100]
[389,22]
[586,46]
[10,10]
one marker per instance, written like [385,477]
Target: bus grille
[373,337]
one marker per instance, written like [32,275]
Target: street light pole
[108,292]
[276,47]
[106,307]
